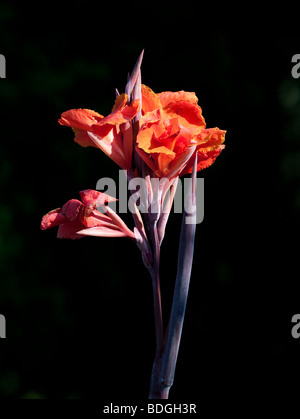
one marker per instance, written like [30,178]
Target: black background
[79,313]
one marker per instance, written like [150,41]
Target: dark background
[79,313]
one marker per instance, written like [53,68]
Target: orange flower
[172,127]
[93,129]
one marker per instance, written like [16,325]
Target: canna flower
[93,129]
[77,219]
[172,128]
[160,135]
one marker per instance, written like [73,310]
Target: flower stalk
[165,361]
[185,262]
[158,137]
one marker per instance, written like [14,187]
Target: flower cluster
[161,132]
[170,126]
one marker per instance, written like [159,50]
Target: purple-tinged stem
[160,341]
[137,94]
[134,75]
[185,261]
[156,293]
[133,91]
[168,202]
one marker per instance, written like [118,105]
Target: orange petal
[120,102]
[177,166]
[150,117]
[208,159]
[121,114]
[82,138]
[80,118]
[168,97]
[190,115]
[210,139]
[204,160]
[182,141]
[146,139]
[150,101]
[162,149]
[110,147]
[162,161]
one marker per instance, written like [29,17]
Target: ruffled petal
[120,102]
[122,113]
[204,160]
[150,101]
[82,138]
[53,218]
[162,161]
[168,97]
[94,198]
[207,159]
[72,209]
[210,139]
[68,213]
[147,140]
[189,114]
[177,165]
[80,118]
